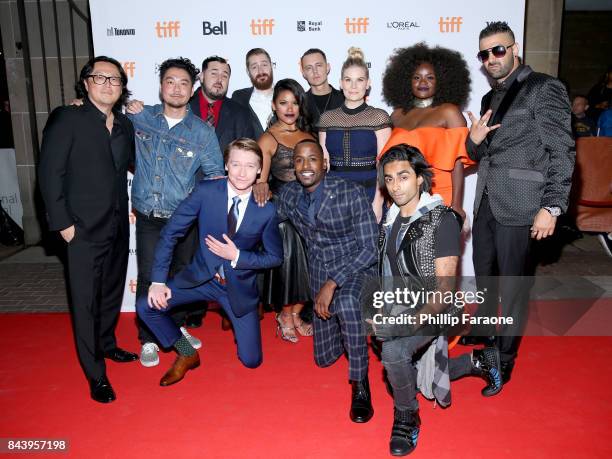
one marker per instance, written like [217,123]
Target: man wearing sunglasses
[82,175]
[523,142]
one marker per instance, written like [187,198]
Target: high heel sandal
[282,330]
[302,325]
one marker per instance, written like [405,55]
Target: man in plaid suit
[336,220]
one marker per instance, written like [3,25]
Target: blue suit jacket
[342,242]
[208,204]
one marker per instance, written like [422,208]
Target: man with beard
[335,218]
[523,142]
[172,145]
[321,96]
[258,98]
[229,119]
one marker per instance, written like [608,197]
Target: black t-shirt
[583,127]
[447,243]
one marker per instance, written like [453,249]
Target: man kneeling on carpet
[236,238]
[419,248]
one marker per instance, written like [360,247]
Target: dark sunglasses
[497,51]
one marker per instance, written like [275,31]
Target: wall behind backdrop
[143,33]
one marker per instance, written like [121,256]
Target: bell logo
[356,25]
[209,29]
[129,68]
[167,29]
[262,26]
[450,24]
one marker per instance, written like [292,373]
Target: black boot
[486,364]
[506,371]
[361,404]
[405,432]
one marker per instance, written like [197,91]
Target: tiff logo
[208,29]
[129,68]
[450,24]
[167,29]
[262,26]
[114,31]
[356,25]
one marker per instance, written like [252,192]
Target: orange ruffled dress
[441,148]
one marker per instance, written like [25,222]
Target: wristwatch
[554,210]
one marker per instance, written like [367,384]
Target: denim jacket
[167,160]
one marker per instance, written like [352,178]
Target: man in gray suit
[523,142]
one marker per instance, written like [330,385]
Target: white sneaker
[195,342]
[149,356]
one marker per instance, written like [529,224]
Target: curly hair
[452,75]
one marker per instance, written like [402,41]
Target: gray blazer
[527,163]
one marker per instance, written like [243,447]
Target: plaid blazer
[342,242]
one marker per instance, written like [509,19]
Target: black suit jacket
[243,97]
[81,183]
[234,120]
[527,163]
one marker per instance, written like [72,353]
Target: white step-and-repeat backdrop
[143,33]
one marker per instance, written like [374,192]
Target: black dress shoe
[487,365]
[101,390]
[405,432]
[361,404]
[194,320]
[506,371]
[120,355]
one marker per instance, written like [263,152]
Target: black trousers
[148,229]
[501,250]
[96,274]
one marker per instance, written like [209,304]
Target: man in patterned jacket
[523,142]
[335,219]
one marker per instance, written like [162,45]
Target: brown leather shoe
[177,371]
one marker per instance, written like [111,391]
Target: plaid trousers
[344,331]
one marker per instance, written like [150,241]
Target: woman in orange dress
[427,88]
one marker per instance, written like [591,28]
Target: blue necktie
[232,222]
[232,216]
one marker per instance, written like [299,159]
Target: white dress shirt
[261,103]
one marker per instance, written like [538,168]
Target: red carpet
[557,405]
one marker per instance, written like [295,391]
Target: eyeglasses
[497,51]
[102,79]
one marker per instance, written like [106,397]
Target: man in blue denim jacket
[172,145]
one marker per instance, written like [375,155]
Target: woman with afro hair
[427,88]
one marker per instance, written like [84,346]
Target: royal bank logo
[450,24]
[356,25]
[115,32]
[262,26]
[309,26]
[402,25]
[219,28]
[167,29]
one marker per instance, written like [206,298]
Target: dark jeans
[148,229]
[397,357]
